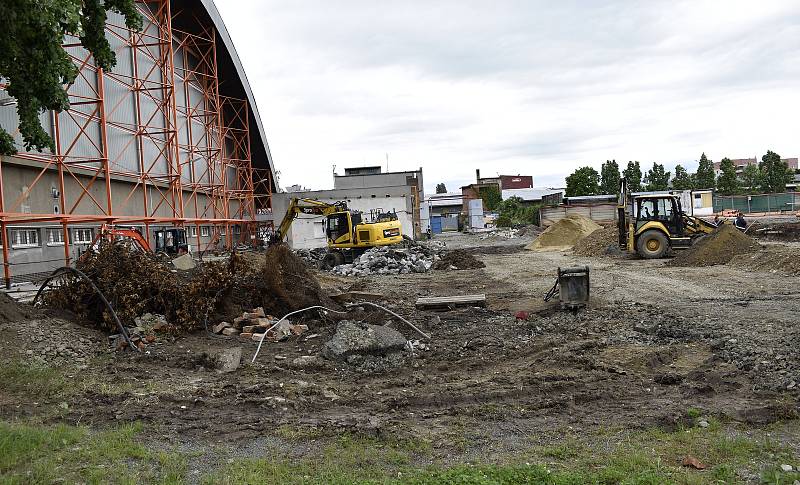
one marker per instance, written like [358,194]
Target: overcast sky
[531,87]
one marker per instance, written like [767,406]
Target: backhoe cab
[171,241]
[347,232]
[652,225]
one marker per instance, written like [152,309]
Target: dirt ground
[654,342]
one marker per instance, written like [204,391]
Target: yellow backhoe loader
[348,233]
[653,224]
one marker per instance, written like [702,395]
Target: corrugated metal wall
[600,213]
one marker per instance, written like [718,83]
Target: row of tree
[770,176]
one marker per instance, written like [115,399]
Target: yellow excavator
[651,225]
[346,231]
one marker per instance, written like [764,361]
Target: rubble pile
[137,283]
[563,234]
[370,348]
[312,256]
[458,259]
[505,233]
[717,248]
[385,260]
[252,325]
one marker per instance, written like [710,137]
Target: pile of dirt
[458,259]
[781,260]
[717,248]
[136,283]
[290,285]
[563,234]
[599,243]
[11,311]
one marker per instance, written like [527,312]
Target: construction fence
[761,203]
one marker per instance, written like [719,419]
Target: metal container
[573,287]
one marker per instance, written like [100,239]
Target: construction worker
[740,223]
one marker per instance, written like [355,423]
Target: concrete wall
[308,232]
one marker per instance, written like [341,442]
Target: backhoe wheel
[652,245]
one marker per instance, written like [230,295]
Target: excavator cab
[171,241]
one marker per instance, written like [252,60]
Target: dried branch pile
[136,282]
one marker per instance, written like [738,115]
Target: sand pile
[563,234]
[599,243]
[717,248]
[458,259]
[780,260]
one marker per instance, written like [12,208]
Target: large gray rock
[362,339]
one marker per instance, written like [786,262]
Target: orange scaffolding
[187,158]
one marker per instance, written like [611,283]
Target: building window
[82,236]
[237,230]
[205,231]
[55,236]
[24,238]
[192,231]
[222,230]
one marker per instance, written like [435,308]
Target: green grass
[69,454]
[32,453]
[32,380]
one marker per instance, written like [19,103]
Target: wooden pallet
[446,302]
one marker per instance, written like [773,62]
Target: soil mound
[781,260]
[289,284]
[599,243]
[11,311]
[717,248]
[563,234]
[458,259]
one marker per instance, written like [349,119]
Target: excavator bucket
[573,287]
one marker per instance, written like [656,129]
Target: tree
[751,178]
[491,196]
[657,178]
[513,211]
[440,188]
[610,177]
[682,179]
[774,173]
[705,173]
[36,67]
[728,181]
[584,181]
[633,176]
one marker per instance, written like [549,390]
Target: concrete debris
[151,321]
[313,257]
[184,262]
[787,468]
[386,260]
[228,331]
[505,233]
[229,359]
[356,338]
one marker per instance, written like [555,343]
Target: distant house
[741,163]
